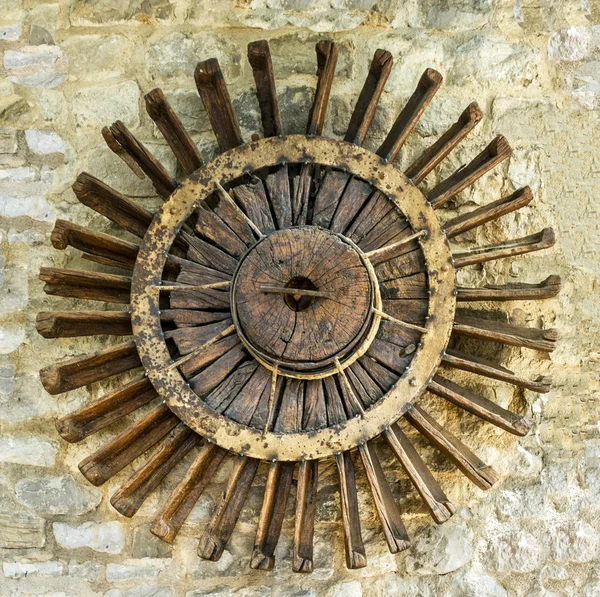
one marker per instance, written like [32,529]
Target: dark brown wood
[224,519]
[392,228]
[88,368]
[128,499]
[473,468]
[382,376]
[373,211]
[364,110]
[253,200]
[497,151]
[487,213]
[306,507]
[183,498]
[278,189]
[190,338]
[162,181]
[111,204]
[206,381]
[427,87]
[440,507]
[465,362]
[327,55]
[211,227]
[105,410]
[328,197]
[232,216]
[434,154]
[211,298]
[114,456]
[217,103]
[122,253]
[244,405]
[183,147]
[549,288]
[224,394]
[481,407]
[505,333]
[183,318]
[93,286]
[259,57]
[355,195]
[409,310]
[510,248]
[209,355]
[365,386]
[195,274]
[403,265]
[72,324]
[410,287]
[205,254]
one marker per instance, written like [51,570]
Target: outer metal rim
[161,234]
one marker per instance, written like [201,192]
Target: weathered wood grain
[205,254]
[209,226]
[252,198]
[169,124]
[104,411]
[207,380]
[114,456]
[259,57]
[88,368]
[72,324]
[278,190]
[549,288]
[208,355]
[189,338]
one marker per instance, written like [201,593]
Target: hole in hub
[297,302]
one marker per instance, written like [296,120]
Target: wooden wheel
[289,302]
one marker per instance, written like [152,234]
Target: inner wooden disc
[300,327]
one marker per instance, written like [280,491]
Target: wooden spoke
[180,503]
[458,360]
[355,195]
[217,103]
[193,273]
[327,55]
[106,410]
[208,298]
[129,498]
[481,407]
[497,151]
[200,359]
[472,467]
[226,392]
[440,507]
[120,140]
[227,210]
[427,87]
[364,110]
[355,550]
[227,198]
[69,324]
[487,213]
[224,519]
[191,287]
[510,248]
[306,507]
[172,129]
[259,57]
[405,324]
[211,227]
[411,287]
[253,199]
[207,380]
[195,338]
[111,204]
[549,288]
[208,255]
[183,318]
[244,405]
[388,248]
[93,286]
[113,457]
[505,333]
[328,197]
[113,251]
[432,156]
[278,189]
[89,368]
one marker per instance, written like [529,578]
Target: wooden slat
[93,286]
[211,298]
[510,248]
[172,129]
[205,254]
[427,87]
[211,227]
[208,355]
[189,338]
[355,195]
[114,456]
[119,139]
[191,317]
[440,507]
[327,55]
[388,230]
[72,324]
[497,151]
[390,355]
[314,412]
[217,103]
[465,362]
[373,211]
[206,381]
[384,378]
[105,410]
[434,154]
[278,189]
[487,213]
[473,468]
[224,394]
[229,212]
[481,407]
[549,288]
[244,405]
[253,200]
[128,499]
[183,498]
[364,110]
[224,519]
[111,204]
[121,252]
[328,197]
[259,57]
[400,266]
[196,274]
[505,333]
[89,368]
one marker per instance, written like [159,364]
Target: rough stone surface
[68,68]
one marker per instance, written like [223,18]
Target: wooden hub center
[302,297]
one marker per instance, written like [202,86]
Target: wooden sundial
[290,302]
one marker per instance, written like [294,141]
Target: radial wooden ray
[196,317]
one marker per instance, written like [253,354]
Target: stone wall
[68,67]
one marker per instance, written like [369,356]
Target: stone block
[513,551]
[21,530]
[30,450]
[28,569]
[91,12]
[44,66]
[8,140]
[571,44]
[147,568]
[44,142]
[101,106]
[105,537]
